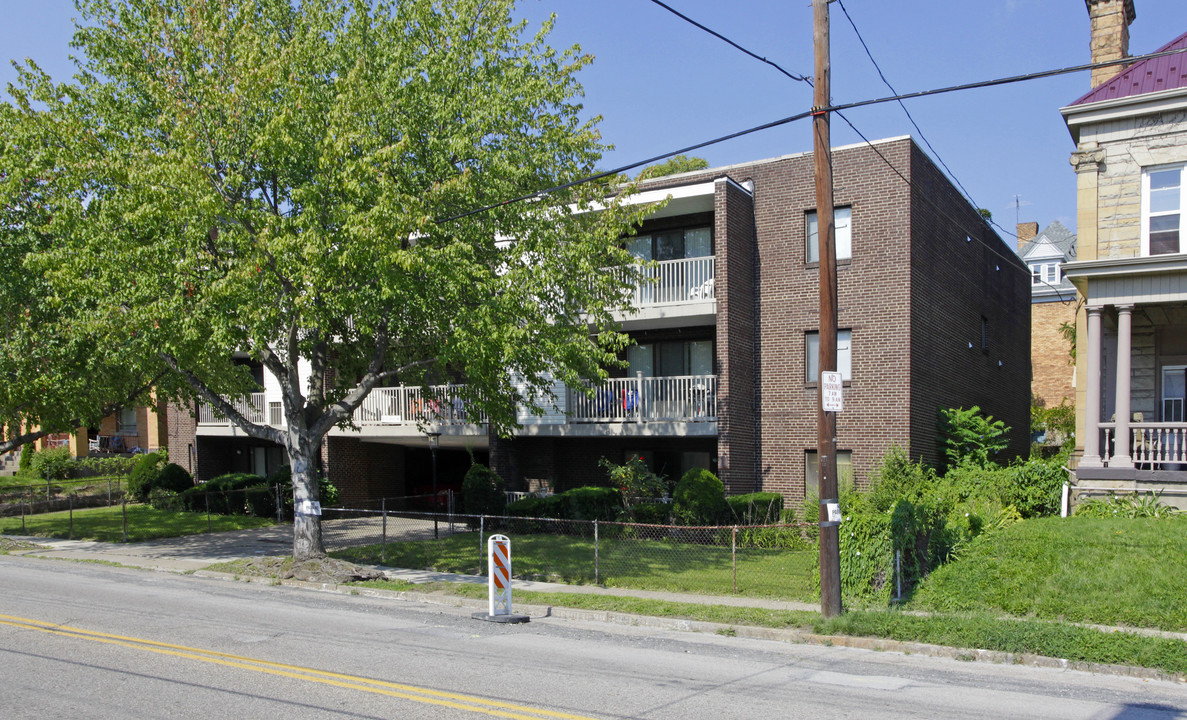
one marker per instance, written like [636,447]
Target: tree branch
[227,410]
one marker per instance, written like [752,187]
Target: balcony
[673,292]
[687,398]
[412,406]
[250,408]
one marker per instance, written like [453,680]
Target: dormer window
[1047,273]
[1163,201]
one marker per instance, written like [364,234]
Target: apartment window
[812,471]
[1045,273]
[670,359]
[1163,200]
[812,355]
[843,220]
[125,423]
[672,244]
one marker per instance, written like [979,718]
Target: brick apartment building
[934,312]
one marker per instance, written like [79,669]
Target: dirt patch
[8,545]
[322,570]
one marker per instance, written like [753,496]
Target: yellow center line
[469,703]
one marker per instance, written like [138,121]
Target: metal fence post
[383,548]
[70,502]
[207,497]
[481,532]
[109,492]
[734,556]
[30,494]
[597,561]
[125,504]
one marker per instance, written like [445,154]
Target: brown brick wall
[963,273]
[739,425]
[181,444]
[1051,369]
[364,472]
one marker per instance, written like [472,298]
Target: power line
[719,36]
[800,116]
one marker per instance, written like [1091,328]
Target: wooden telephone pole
[826,421]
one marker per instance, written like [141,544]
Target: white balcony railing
[672,282]
[404,405]
[690,398]
[1153,446]
[252,409]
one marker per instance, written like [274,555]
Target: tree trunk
[307,539]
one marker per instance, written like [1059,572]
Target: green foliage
[652,513]
[897,478]
[143,475]
[673,165]
[1147,505]
[549,506]
[968,437]
[760,508]
[634,482]
[115,465]
[483,492]
[223,495]
[699,498]
[165,500]
[591,503]
[1059,422]
[53,463]
[173,477]
[1034,487]
[26,461]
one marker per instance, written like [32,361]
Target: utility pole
[826,421]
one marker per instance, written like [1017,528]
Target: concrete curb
[744,631]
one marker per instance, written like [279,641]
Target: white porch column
[1092,405]
[1121,456]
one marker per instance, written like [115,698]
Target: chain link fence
[56,495]
[764,560]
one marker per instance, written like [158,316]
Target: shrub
[760,508]
[53,463]
[173,477]
[652,513]
[117,465]
[165,500]
[533,507]
[223,495]
[26,462]
[591,503]
[699,498]
[1130,506]
[634,481]
[260,500]
[970,437]
[482,491]
[143,475]
[898,478]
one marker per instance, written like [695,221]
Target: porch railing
[410,405]
[250,408]
[1153,445]
[640,399]
[671,282]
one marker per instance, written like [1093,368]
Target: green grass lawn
[1115,572]
[627,563]
[105,524]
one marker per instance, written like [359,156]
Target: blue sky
[660,84]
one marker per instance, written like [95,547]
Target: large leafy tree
[278,178]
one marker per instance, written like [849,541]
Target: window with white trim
[843,221]
[812,355]
[1164,197]
[1045,273]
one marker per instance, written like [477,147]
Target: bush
[223,495]
[699,498]
[483,492]
[166,500]
[1130,506]
[634,482]
[143,476]
[652,514]
[260,500]
[173,477]
[968,437]
[117,465]
[760,508]
[591,503]
[26,463]
[53,463]
[535,507]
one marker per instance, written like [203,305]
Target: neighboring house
[1131,271]
[934,312]
[1053,303]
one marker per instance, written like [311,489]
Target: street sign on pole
[831,398]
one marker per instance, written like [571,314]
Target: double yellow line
[428,696]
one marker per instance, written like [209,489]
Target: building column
[1092,406]
[1121,456]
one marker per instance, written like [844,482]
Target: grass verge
[964,630]
[1114,571]
[625,563]
[105,524]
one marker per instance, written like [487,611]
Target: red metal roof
[1147,76]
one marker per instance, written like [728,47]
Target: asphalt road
[90,641]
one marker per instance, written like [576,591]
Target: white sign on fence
[830,391]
